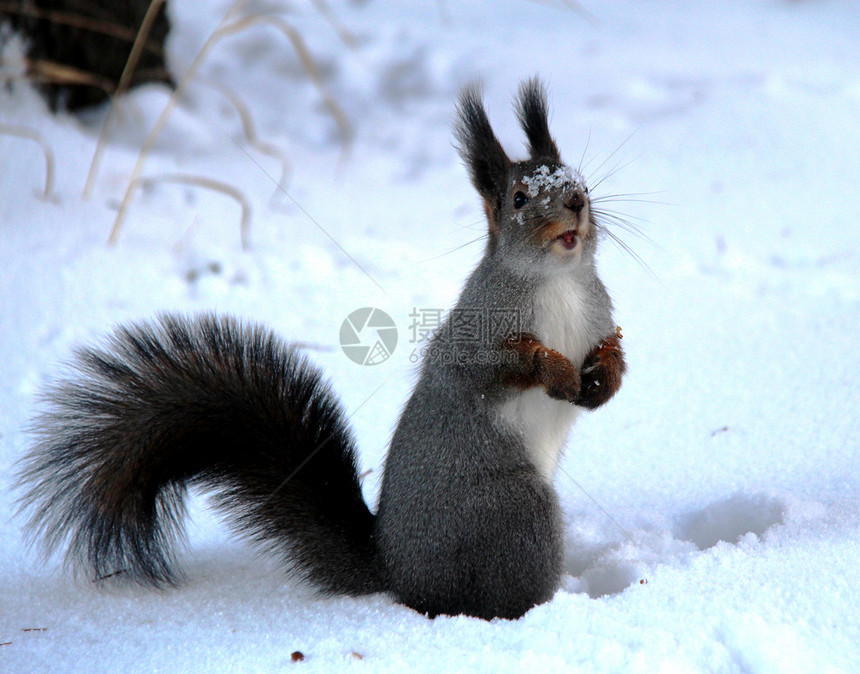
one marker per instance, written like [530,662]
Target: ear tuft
[480,149]
[532,113]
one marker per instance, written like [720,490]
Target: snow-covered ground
[713,507]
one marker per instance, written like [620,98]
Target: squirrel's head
[537,209]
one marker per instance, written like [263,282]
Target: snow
[712,507]
[542,178]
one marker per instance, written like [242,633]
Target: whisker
[615,151]
[618,167]
[623,223]
[621,245]
[584,150]
[630,197]
[454,250]
[471,225]
[620,214]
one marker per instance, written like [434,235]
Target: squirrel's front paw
[558,375]
[541,366]
[601,373]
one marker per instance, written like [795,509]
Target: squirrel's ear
[480,149]
[532,113]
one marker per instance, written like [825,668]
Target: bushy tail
[198,401]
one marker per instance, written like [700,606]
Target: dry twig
[250,132]
[38,138]
[329,15]
[199,181]
[226,29]
[124,80]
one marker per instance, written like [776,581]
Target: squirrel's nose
[576,202]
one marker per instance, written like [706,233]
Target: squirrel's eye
[520,200]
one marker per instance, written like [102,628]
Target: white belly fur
[544,423]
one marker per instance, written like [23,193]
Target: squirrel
[468,521]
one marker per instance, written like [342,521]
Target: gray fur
[466,522]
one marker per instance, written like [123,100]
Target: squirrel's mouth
[569,239]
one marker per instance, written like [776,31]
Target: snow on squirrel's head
[538,209]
